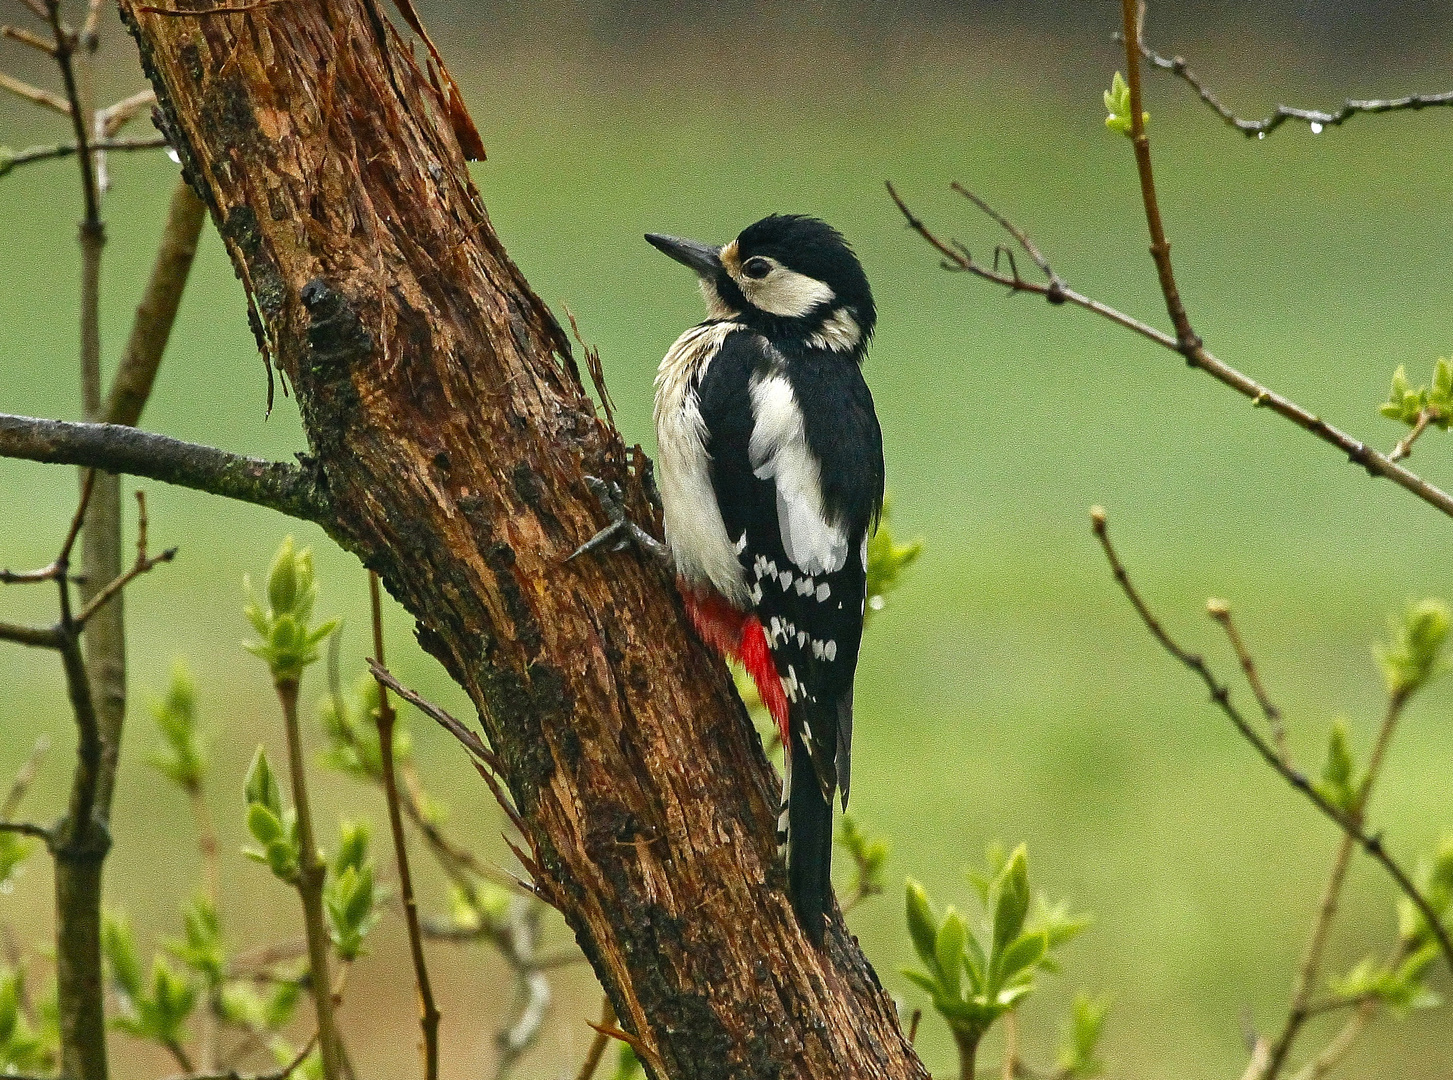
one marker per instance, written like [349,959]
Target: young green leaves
[154,1009]
[975,974]
[273,827]
[1407,404]
[352,732]
[1117,104]
[869,855]
[1413,654]
[349,895]
[23,1049]
[887,562]
[287,642]
[1079,1057]
[183,757]
[1339,783]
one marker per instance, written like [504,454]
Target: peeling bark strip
[453,437]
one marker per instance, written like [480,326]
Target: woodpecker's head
[791,277]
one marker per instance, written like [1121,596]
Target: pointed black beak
[703,258]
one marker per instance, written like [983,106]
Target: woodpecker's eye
[757,268]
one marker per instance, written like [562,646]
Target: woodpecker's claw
[622,531]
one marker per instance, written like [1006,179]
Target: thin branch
[311,875]
[599,1043]
[25,37]
[1317,119]
[277,1074]
[65,45]
[26,828]
[34,7]
[144,564]
[1340,1044]
[108,121]
[517,942]
[428,1009]
[53,151]
[156,313]
[118,448]
[957,258]
[34,94]
[1220,610]
[37,637]
[1427,415]
[1221,696]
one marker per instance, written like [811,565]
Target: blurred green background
[1007,691]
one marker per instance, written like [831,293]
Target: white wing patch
[779,452]
[695,531]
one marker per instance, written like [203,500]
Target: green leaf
[868,853]
[353,839]
[922,924]
[921,980]
[949,951]
[14,850]
[1117,104]
[201,947]
[183,759]
[1023,954]
[887,563]
[261,785]
[1012,904]
[1078,1057]
[264,825]
[118,946]
[287,643]
[1339,784]
[1413,654]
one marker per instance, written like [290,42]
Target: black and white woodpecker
[770,465]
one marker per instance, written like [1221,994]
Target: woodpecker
[770,467]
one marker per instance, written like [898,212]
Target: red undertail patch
[739,636]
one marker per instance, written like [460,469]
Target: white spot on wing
[830,650]
[823,592]
[779,451]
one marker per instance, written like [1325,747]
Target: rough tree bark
[451,434]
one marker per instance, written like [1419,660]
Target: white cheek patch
[779,452]
[785,292]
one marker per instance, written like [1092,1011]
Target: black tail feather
[809,845]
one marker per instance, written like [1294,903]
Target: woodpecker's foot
[622,531]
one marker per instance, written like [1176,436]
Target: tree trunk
[451,433]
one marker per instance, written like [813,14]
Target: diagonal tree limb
[117,448]
[454,444]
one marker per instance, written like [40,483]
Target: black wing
[813,613]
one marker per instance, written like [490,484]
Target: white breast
[695,532]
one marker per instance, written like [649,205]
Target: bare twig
[428,1010]
[311,875]
[277,1074]
[34,94]
[118,448]
[1317,119]
[108,121]
[1342,1042]
[597,1044]
[53,151]
[26,828]
[1221,696]
[37,637]
[157,311]
[517,942]
[1220,610]
[596,369]
[25,37]
[1428,415]
[957,258]
[144,564]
